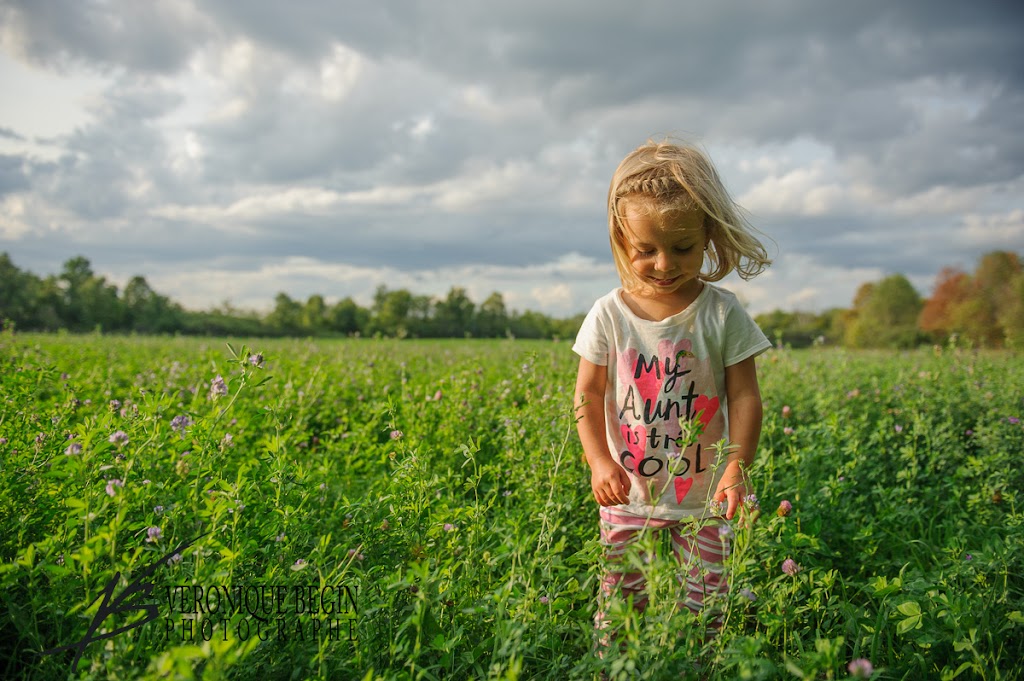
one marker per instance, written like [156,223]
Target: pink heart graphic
[682,488]
[650,379]
[709,407]
[636,440]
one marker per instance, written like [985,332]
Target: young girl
[667,371]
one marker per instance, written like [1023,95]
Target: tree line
[981,309]
[79,300]
[984,309]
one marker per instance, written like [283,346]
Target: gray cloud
[428,137]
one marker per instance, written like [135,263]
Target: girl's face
[665,251]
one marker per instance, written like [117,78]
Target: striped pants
[701,556]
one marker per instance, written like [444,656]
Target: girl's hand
[732,488]
[609,482]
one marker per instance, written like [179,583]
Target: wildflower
[111,484]
[256,360]
[3,440]
[438,396]
[448,527]
[748,594]
[786,411]
[507,493]
[73,448]
[860,668]
[119,438]
[158,509]
[299,562]
[1013,420]
[545,600]
[180,423]
[898,428]
[176,558]
[153,534]
[968,557]
[751,502]
[218,388]
[787,431]
[724,532]
[355,554]
[227,440]
[790,567]
[114,405]
[717,507]
[395,434]
[279,538]
[785,508]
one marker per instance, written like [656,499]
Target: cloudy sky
[231,149]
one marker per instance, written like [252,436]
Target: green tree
[492,318]
[885,315]
[19,295]
[453,316]
[314,315]
[286,317]
[147,311]
[348,318]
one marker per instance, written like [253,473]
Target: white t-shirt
[663,376]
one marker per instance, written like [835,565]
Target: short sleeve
[743,337]
[592,341]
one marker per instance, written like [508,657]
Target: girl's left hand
[732,488]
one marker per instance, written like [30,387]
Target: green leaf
[910,623]
[910,608]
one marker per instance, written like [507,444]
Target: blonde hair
[668,178]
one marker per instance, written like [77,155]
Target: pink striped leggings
[701,555]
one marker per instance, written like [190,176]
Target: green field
[428,502]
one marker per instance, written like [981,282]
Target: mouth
[664,282]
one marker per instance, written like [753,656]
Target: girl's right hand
[610,483]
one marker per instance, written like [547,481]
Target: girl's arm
[744,399]
[607,479]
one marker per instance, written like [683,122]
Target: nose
[663,262]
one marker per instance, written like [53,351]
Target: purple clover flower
[790,567]
[751,502]
[1013,420]
[717,507]
[545,600]
[256,360]
[111,484]
[748,594]
[119,438]
[218,388]
[73,448]
[448,527]
[180,423]
[724,532]
[395,435]
[861,668]
[785,508]
[153,534]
